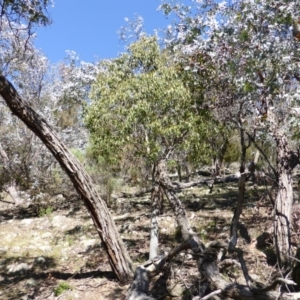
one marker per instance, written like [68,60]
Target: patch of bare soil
[55,253]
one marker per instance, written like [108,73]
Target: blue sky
[90,27]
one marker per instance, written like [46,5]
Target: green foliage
[233,152]
[172,165]
[57,176]
[45,211]
[109,188]
[142,105]
[61,288]
[102,173]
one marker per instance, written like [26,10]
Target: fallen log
[208,268]
[136,194]
[176,185]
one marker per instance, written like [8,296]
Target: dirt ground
[55,252]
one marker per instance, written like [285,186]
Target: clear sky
[90,27]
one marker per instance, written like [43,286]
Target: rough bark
[286,161]
[139,288]
[118,256]
[237,212]
[140,285]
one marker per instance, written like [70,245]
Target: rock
[26,221]
[89,243]
[31,282]
[59,221]
[40,261]
[18,268]
[255,277]
[189,256]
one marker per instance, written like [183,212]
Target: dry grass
[64,246]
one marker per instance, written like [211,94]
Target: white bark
[153,251]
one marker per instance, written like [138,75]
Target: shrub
[61,288]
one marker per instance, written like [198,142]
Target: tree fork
[118,256]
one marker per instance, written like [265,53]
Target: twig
[274,283]
[94,287]
[292,257]
[217,292]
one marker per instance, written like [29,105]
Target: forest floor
[55,252]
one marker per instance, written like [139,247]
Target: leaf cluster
[141,102]
[29,12]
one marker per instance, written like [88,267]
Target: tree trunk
[10,187]
[155,198]
[118,256]
[286,162]
[237,213]
[244,148]
[207,265]
[162,178]
[219,158]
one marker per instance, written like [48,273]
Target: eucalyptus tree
[141,105]
[20,17]
[17,22]
[253,48]
[145,107]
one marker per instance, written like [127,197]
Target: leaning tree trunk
[286,162]
[118,256]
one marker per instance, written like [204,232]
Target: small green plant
[62,287]
[57,176]
[45,211]
[79,154]
[110,187]
[70,240]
